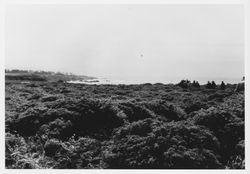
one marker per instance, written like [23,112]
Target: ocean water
[127,81]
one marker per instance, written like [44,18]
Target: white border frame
[4,3]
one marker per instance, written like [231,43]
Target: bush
[81,117]
[195,84]
[79,153]
[90,126]
[226,127]
[51,147]
[222,86]
[237,160]
[167,110]
[141,128]
[193,104]
[210,85]
[172,145]
[22,153]
[184,84]
[135,111]
[59,128]
[97,117]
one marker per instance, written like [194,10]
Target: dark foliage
[228,128]
[184,126]
[29,77]
[184,84]
[211,85]
[222,85]
[195,84]
[51,147]
[152,144]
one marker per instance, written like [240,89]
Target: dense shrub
[81,117]
[96,117]
[124,126]
[51,147]
[222,85]
[172,145]
[235,105]
[226,127]
[58,128]
[23,153]
[135,111]
[166,110]
[211,85]
[184,84]
[195,84]
[79,153]
[141,128]
[237,160]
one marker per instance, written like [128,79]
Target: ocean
[128,81]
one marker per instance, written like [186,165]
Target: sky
[136,43]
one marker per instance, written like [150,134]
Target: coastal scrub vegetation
[156,126]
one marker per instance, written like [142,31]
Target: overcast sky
[144,43]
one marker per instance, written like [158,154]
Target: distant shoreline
[30,75]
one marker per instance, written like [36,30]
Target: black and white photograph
[124,86]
